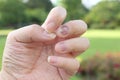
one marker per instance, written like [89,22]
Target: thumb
[31,33]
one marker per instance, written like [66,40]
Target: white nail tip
[49,59]
[52,35]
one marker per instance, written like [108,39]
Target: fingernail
[63,31]
[51,35]
[52,59]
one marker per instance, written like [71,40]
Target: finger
[72,29]
[54,19]
[71,65]
[30,33]
[73,46]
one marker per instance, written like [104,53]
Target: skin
[44,52]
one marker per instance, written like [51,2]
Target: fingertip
[54,19]
[83,24]
[77,64]
[73,28]
[61,10]
[86,43]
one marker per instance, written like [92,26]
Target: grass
[75,78]
[102,34]
[101,41]
[2,43]
[5,32]
[101,45]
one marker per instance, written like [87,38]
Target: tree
[36,16]
[74,8]
[12,12]
[37,10]
[44,4]
[17,12]
[105,15]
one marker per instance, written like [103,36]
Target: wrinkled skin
[27,50]
[30,61]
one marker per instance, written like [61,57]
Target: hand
[44,53]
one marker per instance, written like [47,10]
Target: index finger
[54,19]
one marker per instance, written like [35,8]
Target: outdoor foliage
[101,67]
[12,12]
[44,4]
[105,15]
[75,9]
[37,10]
[17,13]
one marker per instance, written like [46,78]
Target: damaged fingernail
[63,30]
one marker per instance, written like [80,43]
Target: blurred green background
[101,60]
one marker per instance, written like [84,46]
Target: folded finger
[72,29]
[31,33]
[73,46]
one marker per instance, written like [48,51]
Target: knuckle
[32,28]
[34,25]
